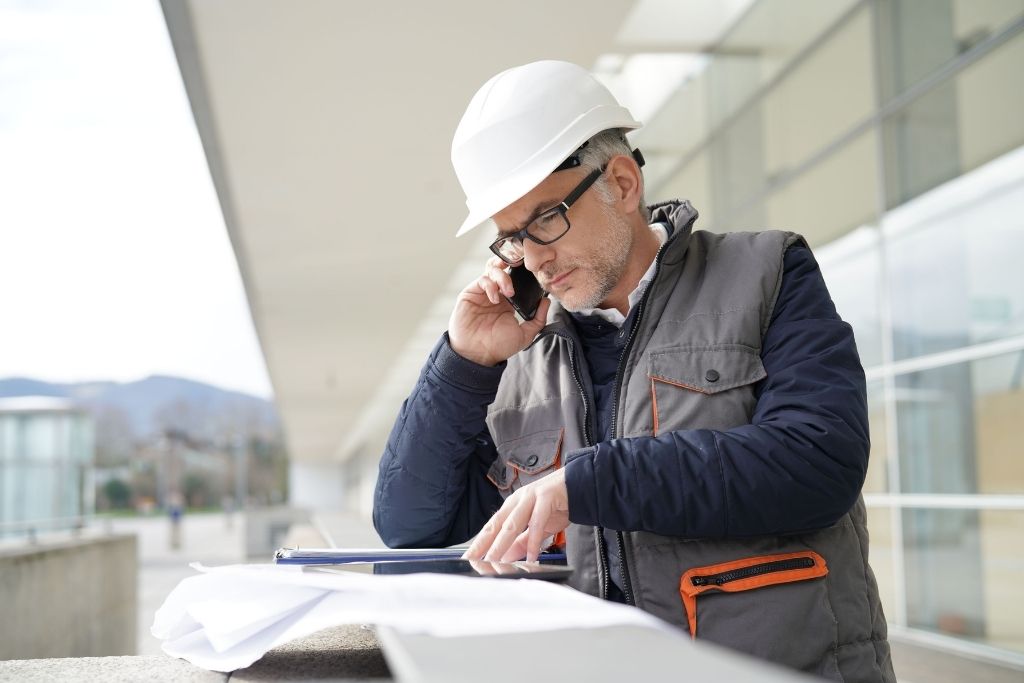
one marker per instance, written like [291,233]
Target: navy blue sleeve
[799,465]
[432,487]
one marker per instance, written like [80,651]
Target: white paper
[226,618]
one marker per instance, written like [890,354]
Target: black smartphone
[528,292]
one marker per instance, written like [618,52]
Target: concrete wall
[71,599]
[266,530]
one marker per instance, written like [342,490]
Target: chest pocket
[703,387]
[526,459]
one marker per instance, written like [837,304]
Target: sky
[114,259]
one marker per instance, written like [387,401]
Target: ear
[626,181]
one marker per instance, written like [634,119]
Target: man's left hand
[529,515]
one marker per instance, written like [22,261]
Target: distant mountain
[156,403]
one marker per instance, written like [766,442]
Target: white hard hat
[521,125]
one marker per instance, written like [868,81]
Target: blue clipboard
[353,555]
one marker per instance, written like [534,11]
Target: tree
[118,494]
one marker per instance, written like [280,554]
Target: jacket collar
[680,215]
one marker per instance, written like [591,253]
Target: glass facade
[46,460]
[891,134]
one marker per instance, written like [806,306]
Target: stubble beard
[605,266]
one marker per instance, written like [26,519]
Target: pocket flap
[534,453]
[708,370]
[501,475]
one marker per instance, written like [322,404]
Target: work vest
[808,600]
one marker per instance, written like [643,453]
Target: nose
[536,256]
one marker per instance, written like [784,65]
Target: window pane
[694,183]
[999,409]
[737,165]
[915,38]
[881,556]
[1003,566]
[40,438]
[942,547]
[877,480]
[956,126]
[976,246]
[958,427]
[832,197]
[990,109]
[762,43]
[679,125]
[963,571]
[851,266]
[799,121]
[975,20]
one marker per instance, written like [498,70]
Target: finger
[535,532]
[540,319]
[504,281]
[513,525]
[490,289]
[517,550]
[482,568]
[483,539]
[494,262]
[505,568]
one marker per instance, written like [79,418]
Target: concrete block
[76,598]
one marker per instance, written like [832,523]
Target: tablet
[496,570]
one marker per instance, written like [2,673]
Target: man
[687,408]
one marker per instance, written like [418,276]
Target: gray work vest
[808,601]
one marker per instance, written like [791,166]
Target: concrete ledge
[74,598]
[152,668]
[341,653]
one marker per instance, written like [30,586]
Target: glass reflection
[963,570]
[956,278]
[959,425]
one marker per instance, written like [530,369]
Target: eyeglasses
[546,228]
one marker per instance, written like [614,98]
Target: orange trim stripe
[654,406]
[559,540]
[655,378]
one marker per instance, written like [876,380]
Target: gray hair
[599,151]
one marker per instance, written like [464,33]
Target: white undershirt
[613,315]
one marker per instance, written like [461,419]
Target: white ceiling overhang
[327,128]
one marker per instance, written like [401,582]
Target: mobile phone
[528,292]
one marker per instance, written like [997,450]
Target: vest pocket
[779,609]
[526,459]
[703,387]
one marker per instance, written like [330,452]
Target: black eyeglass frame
[562,208]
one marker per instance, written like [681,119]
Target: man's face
[582,267]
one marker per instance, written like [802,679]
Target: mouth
[552,284]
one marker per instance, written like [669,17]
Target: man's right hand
[483,327]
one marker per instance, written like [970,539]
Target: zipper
[602,556]
[627,584]
[753,570]
[588,438]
